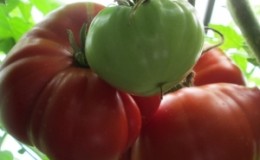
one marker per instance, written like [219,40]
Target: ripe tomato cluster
[48,100]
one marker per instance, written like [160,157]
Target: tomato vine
[17,18]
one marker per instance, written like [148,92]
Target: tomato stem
[138,4]
[221,41]
[186,82]
[134,3]
[79,50]
[125,2]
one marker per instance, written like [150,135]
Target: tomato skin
[215,67]
[66,111]
[210,122]
[148,54]
[100,123]
[147,106]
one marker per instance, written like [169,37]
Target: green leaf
[26,9]
[19,26]
[253,61]
[2,2]
[240,60]
[15,20]
[232,38]
[6,155]
[4,25]
[10,5]
[6,44]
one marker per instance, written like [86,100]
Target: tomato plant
[17,17]
[142,48]
[210,122]
[48,100]
[214,67]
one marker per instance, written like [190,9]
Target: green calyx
[132,3]
[79,50]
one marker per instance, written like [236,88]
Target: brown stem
[246,20]
[186,82]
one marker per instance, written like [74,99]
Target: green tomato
[147,49]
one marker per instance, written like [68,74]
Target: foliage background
[19,16]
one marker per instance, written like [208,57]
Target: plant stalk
[2,139]
[247,22]
[192,2]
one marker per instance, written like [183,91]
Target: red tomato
[214,67]
[148,106]
[66,111]
[211,122]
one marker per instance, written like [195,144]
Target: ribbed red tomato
[147,106]
[49,101]
[210,122]
[214,66]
